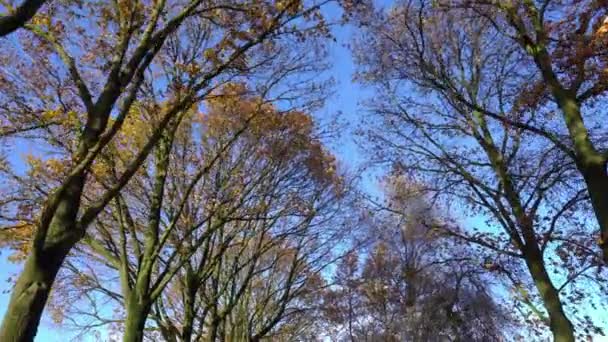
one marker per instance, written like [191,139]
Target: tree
[92,79]
[565,44]
[255,271]
[414,284]
[523,186]
[226,228]
[17,17]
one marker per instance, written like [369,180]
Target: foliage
[166,172]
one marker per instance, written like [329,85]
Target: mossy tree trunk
[49,250]
[137,314]
[560,325]
[525,239]
[590,162]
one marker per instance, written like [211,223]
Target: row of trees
[176,186]
[163,163]
[484,101]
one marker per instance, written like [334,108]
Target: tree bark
[590,162]
[30,294]
[49,250]
[20,16]
[186,334]
[137,314]
[596,178]
[560,325]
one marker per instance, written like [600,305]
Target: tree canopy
[182,170]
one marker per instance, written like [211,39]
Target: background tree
[414,284]
[243,225]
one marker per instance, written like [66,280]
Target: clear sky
[344,101]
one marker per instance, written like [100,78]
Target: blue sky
[344,101]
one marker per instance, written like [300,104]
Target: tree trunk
[590,162]
[30,294]
[23,13]
[189,314]
[560,325]
[49,250]
[137,314]
[596,178]
[214,331]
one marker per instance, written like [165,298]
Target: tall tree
[222,205]
[255,275]
[565,44]
[524,185]
[90,75]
